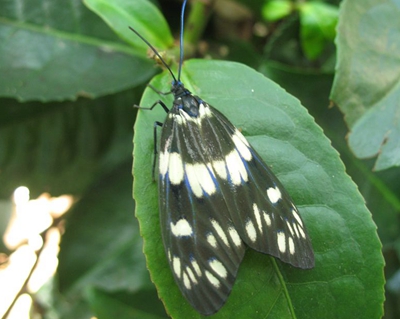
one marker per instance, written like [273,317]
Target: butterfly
[216,198]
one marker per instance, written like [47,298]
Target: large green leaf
[367,86]
[57,50]
[348,275]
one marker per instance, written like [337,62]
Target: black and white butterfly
[217,197]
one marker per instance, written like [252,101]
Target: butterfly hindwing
[272,224]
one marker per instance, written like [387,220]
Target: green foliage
[366,87]
[119,14]
[318,22]
[276,125]
[276,10]
[70,73]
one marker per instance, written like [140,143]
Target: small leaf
[139,14]
[317,26]
[341,229]
[276,10]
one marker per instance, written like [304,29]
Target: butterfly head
[178,89]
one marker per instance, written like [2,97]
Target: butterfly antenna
[156,53]
[181,40]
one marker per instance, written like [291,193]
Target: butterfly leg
[166,109]
[158,91]
[156,123]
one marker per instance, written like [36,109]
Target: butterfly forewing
[215,196]
[202,245]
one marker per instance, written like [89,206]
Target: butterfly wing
[262,210]
[215,193]
[202,245]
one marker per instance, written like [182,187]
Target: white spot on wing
[186,281]
[291,246]
[296,215]
[196,268]
[290,228]
[242,147]
[208,110]
[205,179]
[193,182]
[298,227]
[220,231]
[175,168]
[258,216]
[176,265]
[211,278]
[181,228]
[220,169]
[281,241]
[236,168]
[219,268]
[242,138]
[163,163]
[267,219]
[251,231]
[274,194]
[163,159]
[302,233]
[296,230]
[204,111]
[200,179]
[178,119]
[235,236]
[191,275]
[212,240]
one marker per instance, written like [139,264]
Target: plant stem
[199,14]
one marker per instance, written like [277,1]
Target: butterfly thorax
[184,100]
